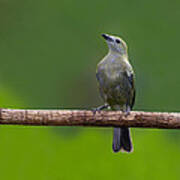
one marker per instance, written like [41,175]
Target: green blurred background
[48,55]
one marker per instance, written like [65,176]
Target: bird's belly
[113,88]
[116,95]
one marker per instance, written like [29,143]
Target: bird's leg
[98,109]
[127,110]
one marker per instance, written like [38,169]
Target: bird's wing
[130,77]
[101,81]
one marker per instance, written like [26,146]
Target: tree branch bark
[88,118]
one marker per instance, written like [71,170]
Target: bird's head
[115,44]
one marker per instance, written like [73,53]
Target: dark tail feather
[116,139]
[122,140]
[125,140]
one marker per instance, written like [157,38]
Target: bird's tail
[122,140]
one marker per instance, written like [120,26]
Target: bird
[116,82]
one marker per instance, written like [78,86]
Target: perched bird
[115,78]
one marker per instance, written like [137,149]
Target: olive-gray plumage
[116,84]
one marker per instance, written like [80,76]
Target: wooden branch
[88,118]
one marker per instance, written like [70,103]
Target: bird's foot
[127,112]
[98,109]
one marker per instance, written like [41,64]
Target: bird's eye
[117,41]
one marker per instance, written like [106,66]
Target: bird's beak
[107,37]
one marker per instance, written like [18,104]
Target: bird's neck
[118,55]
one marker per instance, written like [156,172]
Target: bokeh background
[48,56]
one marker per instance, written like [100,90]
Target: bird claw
[127,114]
[98,109]
[95,110]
